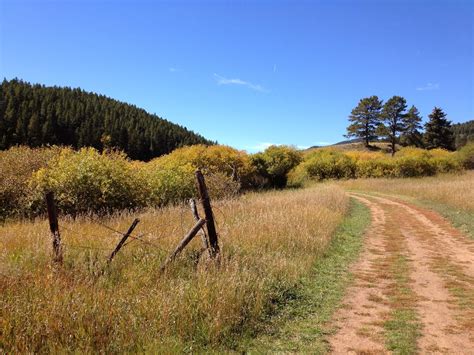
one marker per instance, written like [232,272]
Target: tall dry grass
[456,190]
[269,241]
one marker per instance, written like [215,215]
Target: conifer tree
[393,120]
[438,133]
[412,135]
[39,115]
[364,119]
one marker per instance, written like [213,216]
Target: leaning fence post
[182,244]
[54,227]
[206,204]
[124,239]
[194,210]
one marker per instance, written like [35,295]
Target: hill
[37,115]
[463,133]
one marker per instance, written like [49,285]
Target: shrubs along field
[90,181]
[268,240]
[333,163]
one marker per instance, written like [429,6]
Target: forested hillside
[463,133]
[37,115]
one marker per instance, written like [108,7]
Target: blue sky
[248,73]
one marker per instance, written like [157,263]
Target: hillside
[37,115]
[463,133]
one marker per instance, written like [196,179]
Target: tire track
[426,241]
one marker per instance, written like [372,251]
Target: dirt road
[413,287]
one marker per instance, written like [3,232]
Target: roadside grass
[302,324]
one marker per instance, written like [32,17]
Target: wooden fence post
[185,241]
[124,239]
[206,204]
[54,227]
[194,210]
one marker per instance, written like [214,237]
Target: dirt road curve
[414,264]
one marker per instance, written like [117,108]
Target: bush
[171,178]
[409,162]
[329,164]
[275,163]
[16,167]
[87,181]
[465,156]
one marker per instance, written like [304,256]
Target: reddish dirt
[438,255]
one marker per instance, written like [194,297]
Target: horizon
[194,63]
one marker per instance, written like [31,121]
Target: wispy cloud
[274,68]
[173,69]
[225,81]
[428,87]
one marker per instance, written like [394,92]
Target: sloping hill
[37,115]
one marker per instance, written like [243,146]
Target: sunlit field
[456,190]
[268,241]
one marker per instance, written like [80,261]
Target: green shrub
[329,164]
[466,156]
[275,163]
[87,181]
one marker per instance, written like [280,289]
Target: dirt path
[435,284]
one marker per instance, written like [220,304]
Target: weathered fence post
[185,241]
[124,239]
[54,227]
[194,210]
[206,204]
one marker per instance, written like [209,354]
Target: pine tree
[412,135]
[393,120]
[438,133]
[364,119]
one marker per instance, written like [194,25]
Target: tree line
[463,133]
[372,119]
[36,115]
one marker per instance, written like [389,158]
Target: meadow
[269,241]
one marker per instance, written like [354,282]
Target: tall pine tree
[364,119]
[393,120]
[438,133]
[412,135]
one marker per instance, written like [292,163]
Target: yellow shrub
[465,156]
[326,164]
[170,178]
[90,181]
[16,167]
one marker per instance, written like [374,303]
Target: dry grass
[269,241]
[456,190]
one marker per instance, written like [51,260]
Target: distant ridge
[37,115]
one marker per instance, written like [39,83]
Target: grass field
[269,242]
[451,195]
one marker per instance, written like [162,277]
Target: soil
[441,278]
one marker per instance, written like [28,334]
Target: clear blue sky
[249,73]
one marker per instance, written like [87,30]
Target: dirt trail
[440,262]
